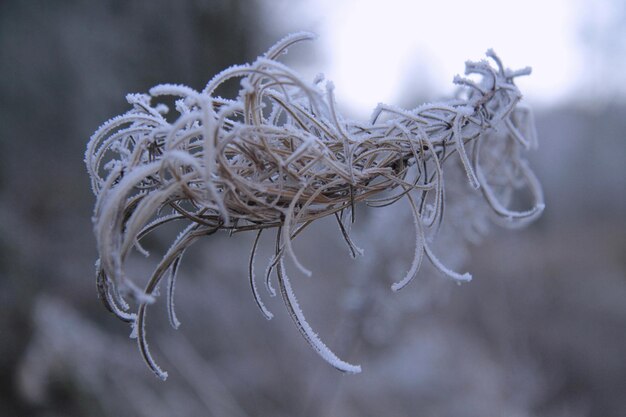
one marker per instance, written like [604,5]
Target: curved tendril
[255,292]
[420,242]
[303,326]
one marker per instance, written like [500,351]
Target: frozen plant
[279,156]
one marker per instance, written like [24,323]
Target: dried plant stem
[279,155]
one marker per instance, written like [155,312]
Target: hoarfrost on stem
[280,156]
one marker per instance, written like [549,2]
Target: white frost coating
[460,147]
[305,329]
[268,278]
[246,87]
[520,217]
[173,90]
[110,297]
[143,344]
[466,277]
[517,135]
[419,250]
[171,288]
[285,43]
[286,235]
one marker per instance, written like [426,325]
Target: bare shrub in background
[279,156]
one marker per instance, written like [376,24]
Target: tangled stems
[280,156]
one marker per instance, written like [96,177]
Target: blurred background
[541,331]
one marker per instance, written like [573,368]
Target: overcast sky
[380,51]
